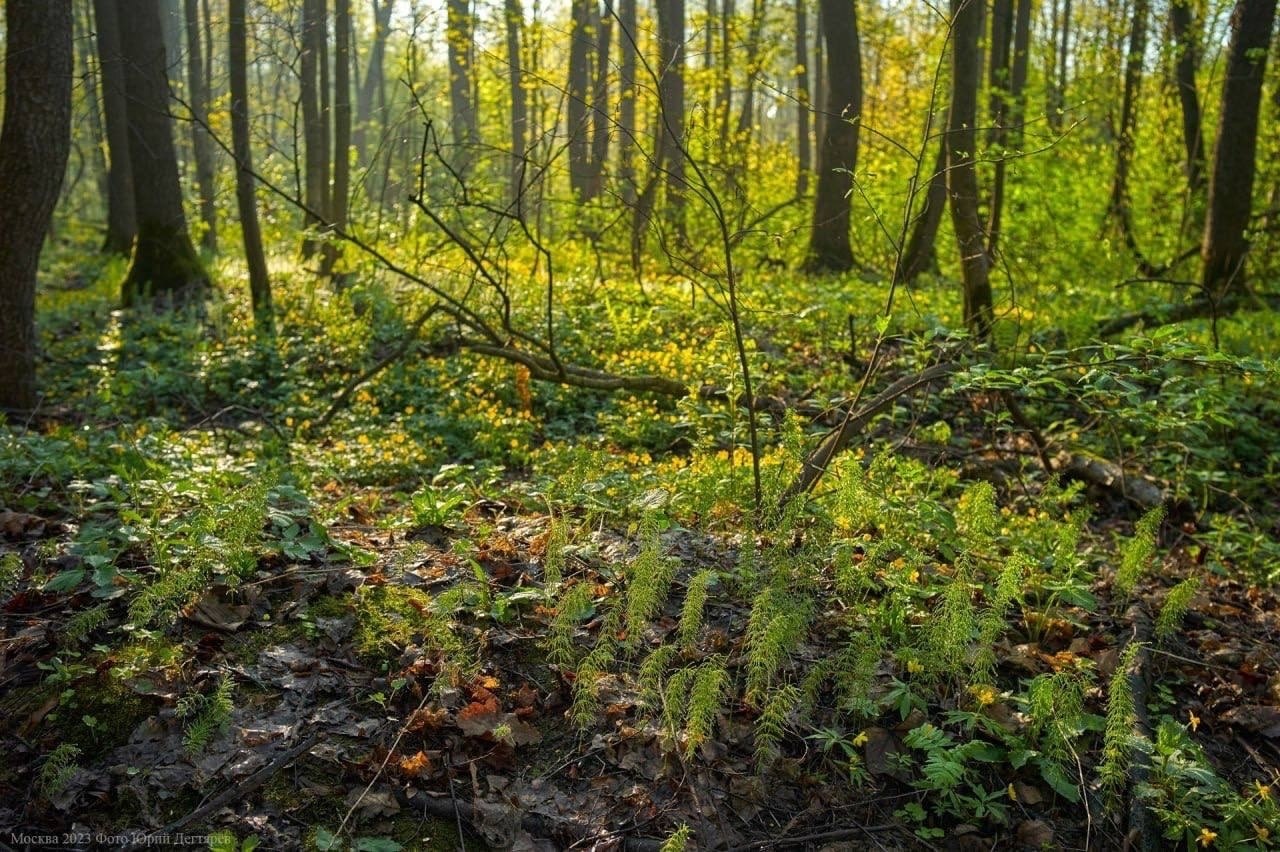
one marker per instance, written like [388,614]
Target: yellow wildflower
[1264,790]
[915,666]
[1193,721]
[1207,836]
[860,739]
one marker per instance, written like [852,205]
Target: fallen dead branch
[1200,308]
[1135,488]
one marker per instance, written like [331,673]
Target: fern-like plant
[57,770]
[771,726]
[777,624]
[678,841]
[951,630]
[695,600]
[1135,559]
[206,716]
[648,582]
[1175,607]
[1118,736]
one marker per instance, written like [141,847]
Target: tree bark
[312,129]
[122,217]
[1186,40]
[237,66]
[829,249]
[671,107]
[373,86]
[1119,208]
[340,196]
[35,141]
[962,172]
[627,36]
[920,255]
[1007,119]
[165,263]
[804,145]
[1231,182]
[600,118]
[85,70]
[514,14]
[201,144]
[580,48]
[460,34]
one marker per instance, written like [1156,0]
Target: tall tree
[35,140]
[829,248]
[804,150]
[1119,207]
[920,253]
[1008,107]
[1231,182]
[237,66]
[339,198]
[576,114]
[122,217]
[164,260]
[514,14]
[601,120]
[627,35]
[201,143]
[1059,55]
[460,35]
[671,59]
[315,167]
[962,171]
[373,87]
[1186,42]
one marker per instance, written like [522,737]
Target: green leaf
[65,581]
[376,844]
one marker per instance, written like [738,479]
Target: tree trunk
[962,172]
[1186,40]
[627,36]
[35,141]
[165,263]
[312,130]
[1058,61]
[374,79]
[999,70]
[1231,182]
[920,255]
[755,33]
[340,197]
[201,144]
[829,248]
[1119,208]
[460,35]
[804,150]
[122,217]
[1007,121]
[237,66]
[580,48]
[671,107]
[519,109]
[600,118]
[85,70]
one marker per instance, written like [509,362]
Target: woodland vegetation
[640,426]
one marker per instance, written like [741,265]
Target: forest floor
[554,626]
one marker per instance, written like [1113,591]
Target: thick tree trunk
[1186,40]
[460,35]
[519,108]
[804,145]
[122,217]
[35,140]
[259,281]
[671,108]
[829,248]
[962,172]
[201,144]
[1231,182]
[165,263]
[580,49]
[920,255]
[340,197]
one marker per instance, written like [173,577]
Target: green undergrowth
[184,455]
